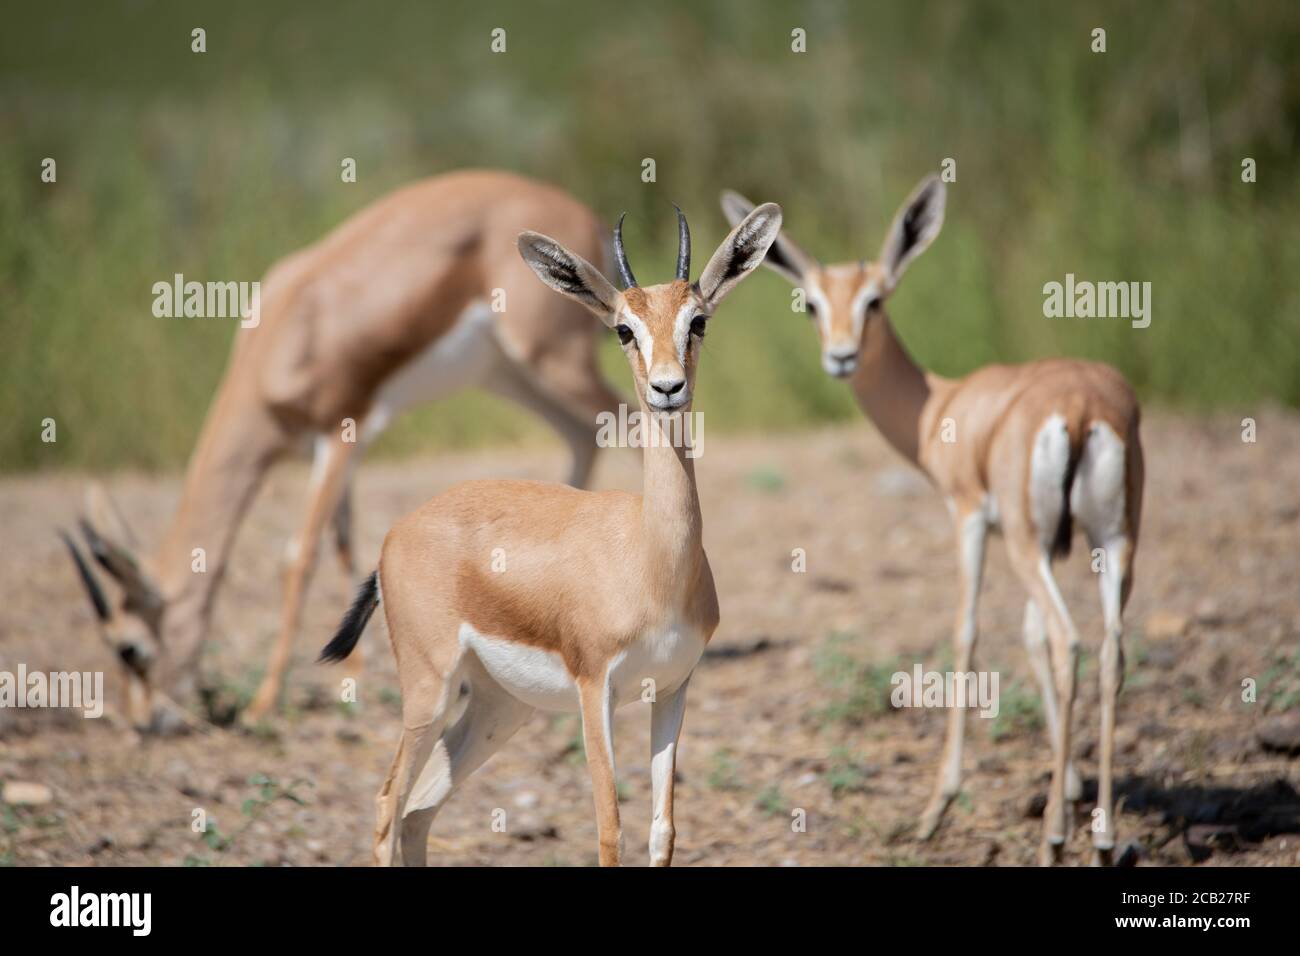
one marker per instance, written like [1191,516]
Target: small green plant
[724,775]
[770,801]
[767,479]
[856,690]
[575,749]
[1019,711]
[1279,686]
[844,775]
[268,791]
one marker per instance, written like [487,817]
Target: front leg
[972,534]
[596,703]
[666,715]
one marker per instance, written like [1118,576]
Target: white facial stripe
[859,307]
[821,305]
[644,340]
[682,330]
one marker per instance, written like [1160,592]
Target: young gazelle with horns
[395,307]
[505,597]
[1029,450]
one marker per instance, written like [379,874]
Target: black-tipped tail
[354,622]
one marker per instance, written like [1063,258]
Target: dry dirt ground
[787,712]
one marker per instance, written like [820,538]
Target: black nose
[668,388]
[130,655]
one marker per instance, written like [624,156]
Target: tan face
[844,301]
[131,624]
[661,329]
[841,301]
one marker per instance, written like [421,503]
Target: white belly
[540,679]
[462,356]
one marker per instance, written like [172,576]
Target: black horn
[87,578]
[683,246]
[624,270]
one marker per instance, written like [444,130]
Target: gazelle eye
[624,333]
[873,304]
[697,325]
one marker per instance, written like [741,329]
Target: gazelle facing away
[1025,449]
[504,597]
[395,307]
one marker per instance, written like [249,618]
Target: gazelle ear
[784,257]
[110,545]
[915,225]
[88,579]
[569,274]
[740,253]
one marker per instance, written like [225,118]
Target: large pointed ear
[740,253]
[569,274]
[88,579]
[784,257]
[112,546]
[916,224]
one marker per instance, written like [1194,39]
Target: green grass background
[1117,166]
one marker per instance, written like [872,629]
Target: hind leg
[1034,569]
[516,383]
[1035,636]
[550,363]
[491,718]
[329,478]
[412,752]
[1116,581]
[972,535]
[342,525]
[426,702]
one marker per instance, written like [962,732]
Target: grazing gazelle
[1025,449]
[415,297]
[504,597]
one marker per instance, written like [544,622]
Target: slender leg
[972,533]
[322,501]
[1115,583]
[666,715]
[1034,569]
[490,719]
[512,381]
[354,666]
[1035,636]
[594,697]
[412,753]
[342,523]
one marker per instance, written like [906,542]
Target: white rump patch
[1098,497]
[1047,467]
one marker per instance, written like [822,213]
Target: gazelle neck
[238,443]
[671,523]
[893,390]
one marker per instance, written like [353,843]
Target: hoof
[1049,853]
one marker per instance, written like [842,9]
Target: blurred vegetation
[1120,166]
